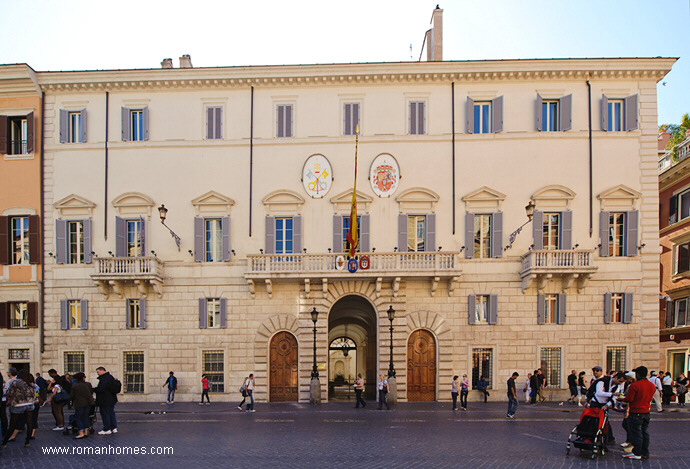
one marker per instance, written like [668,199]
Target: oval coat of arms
[384,175]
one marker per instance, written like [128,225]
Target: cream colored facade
[250,174]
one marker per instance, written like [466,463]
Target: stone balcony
[113,273]
[570,265]
[383,267]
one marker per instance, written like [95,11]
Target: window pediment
[212,203]
[133,204]
[343,201]
[283,201]
[620,197]
[553,197]
[484,199]
[417,199]
[74,206]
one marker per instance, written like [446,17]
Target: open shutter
[538,230]
[82,123]
[34,240]
[604,113]
[364,244]
[210,124]
[561,309]
[61,241]
[497,114]
[565,105]
[142,234]
[202,313]
[673,209]
[469,128]
[402,233]
[128,316]
[120,237]
[413,118]
[126,128]
[567,230]
[604,234]
[297,234]
[607,308]
[280,119]
[631,112]
[355,119]
[469,235]
[497,234]
[4,315]
[347,120]
[223,312]
[30,132]
[64,314]
[142,313]
[270,235]
[88,257]
[218,121]
[3,135]
[493,309]
[4,240]
[471,306]
[225,228]
[430,235]
[539,102]
[84,314]
[627,308]
[421,116]
[64,126]
[337,233]
[670,313]
[541,303]
[631,219]
[145,123]
[32,314]
[199,239]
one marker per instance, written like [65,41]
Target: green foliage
[677,134]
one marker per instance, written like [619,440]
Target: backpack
[591,392]
[115,386]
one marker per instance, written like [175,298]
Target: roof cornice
[674,174]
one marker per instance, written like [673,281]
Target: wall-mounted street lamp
[529,209]
[163,212]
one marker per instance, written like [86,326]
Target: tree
[677,134]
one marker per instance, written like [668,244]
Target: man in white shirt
[654,379]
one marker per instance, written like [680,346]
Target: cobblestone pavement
[336,435]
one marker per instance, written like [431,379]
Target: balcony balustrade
[115,272]
[568,264]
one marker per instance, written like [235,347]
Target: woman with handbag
[681,389]
[20,398]
[57,402]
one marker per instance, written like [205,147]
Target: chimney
[434,37]
[186,61]
[166,63]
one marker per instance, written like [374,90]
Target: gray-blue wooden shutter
[120,237]
[225,228]
[497,234]
[223,313]
[607,308]
[128,319]
[469,128]
[64,314]
[202,313]
[142,234]
[430,234]
[469,235]
[604,234]
[670,314]
[30,136]
[497,114]
[142,313]
[493,309]
[565,106]
[631,220]
[86,225]
[560,319]
[355,119]
[64,126]
[604,113]
[297,234]
[126,127]
[199,239]
[566,230]
[630,104]
[82,123]
[541,304]
[337,233]
[364,244]
[219,122]
[539,103]
[421,115]
[61,241]
[627,308]
[402,233]
[84,314]
[413,118]
[673,209]
[347,119]
[280,119]
[210,127]
[270,235]
[538,230]
[471,306]
[145,125]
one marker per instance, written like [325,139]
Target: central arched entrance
[352,327]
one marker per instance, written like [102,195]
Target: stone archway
[262,342]
[437,328]
[283,377]
[421,366]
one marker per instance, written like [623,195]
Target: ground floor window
[19,354]
[482,365]
[213,367]
[134,372]
[74,362]
[615,358]
[551,366]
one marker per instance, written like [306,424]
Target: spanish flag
[352,236]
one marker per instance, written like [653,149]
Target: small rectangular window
[416,233]
[133,314]
[481,309]
[19,315]
[213,240]
[615,358]
[552,223]
[20,240]
[283,235]
[350,118]
[551,309]
[482,117]
[74,362]
[134,244]
[681,316]
[482,365]
[417,118]
[213,313]
[136,122]
[76,242]
[18,136]
[549,116]
[551,366]
[74,127]
[617,307]
[134,372]
[616,234]
[74,314]
[284,120]
[213,367]
[682,258]
[482,236]
[214,123]
[615,109]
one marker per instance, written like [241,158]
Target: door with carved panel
[283,383]
[421,366]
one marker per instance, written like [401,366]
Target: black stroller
[72,428]
[590,433]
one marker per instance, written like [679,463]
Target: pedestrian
[82,400]
[602,396]
[20,398]
[528,390]
[249,392]
[626,445]
[454,385]
[38,402]
[383,392]
[3,404]
[482,386]
[171,383]
[681,389]
[359,388]
[581,388]
[106,398]
[542,385]
[464,390]
[204,390]
[572,386]
[639,397]
[512,396]
[534,387]
[666,388]
[59,397]
[243,391]
[654,379]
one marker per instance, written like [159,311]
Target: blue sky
[92,34]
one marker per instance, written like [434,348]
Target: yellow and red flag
[352,234]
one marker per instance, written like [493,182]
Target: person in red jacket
[639,398]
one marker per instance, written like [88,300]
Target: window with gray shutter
[493,309]
[270,235]
[199,239]
[607,308]
[604,113]
[88,256]
[223,313]
[145,124]
[538,116]
[604,234]
[202,313]
[214,123]
[364,243]
[417,118]
[469,128]
[126,130]
[469,235]
[561,308]
[337,233]
[627,308]
[631,112]
[631,221]
[225,228]
[142,313]
[566,230]
[565,106]
[538,230]
[497,234]
[84,314]
[497,114]
[284,120]
[64,125]
[541,306]
[61,241]
[350,118]
[402,233]
[64,314]
[471,305]
[430,235]
[82,125]
[297,234]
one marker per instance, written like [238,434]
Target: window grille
[482,365]
[74,362]
[551,366]
[213,367]
[134,372]
[615,358]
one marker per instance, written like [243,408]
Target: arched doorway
[421,366]
[283,375]
[352,327]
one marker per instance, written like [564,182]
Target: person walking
[4,385]
[59,397]
[204,390]
[249,391]
[359,388]
[542,385]
[534,387]
[454,386]
[666,388]
[527,389]
[106,398]
[20,398]
[639,397]
[171,383]
[681,389]
[512,396]
[383,391]
[572,386]
[464,391]
[581,388]
[482,387]
[654,379]
[82,400]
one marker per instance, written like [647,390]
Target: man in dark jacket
[106,400]
[171,384]
[534,386]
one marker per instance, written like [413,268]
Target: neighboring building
[664,154]
[20,218]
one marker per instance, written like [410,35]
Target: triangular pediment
[620,197]
[74,205]
[553,197]
[417,199]
[341,202]
[483,199]
[283,201]
[212,202]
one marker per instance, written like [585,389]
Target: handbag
[243,390]
[61,397]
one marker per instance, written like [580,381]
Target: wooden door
[421,366]
[284,368]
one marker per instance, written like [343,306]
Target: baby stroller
[590,433]
[73,425]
